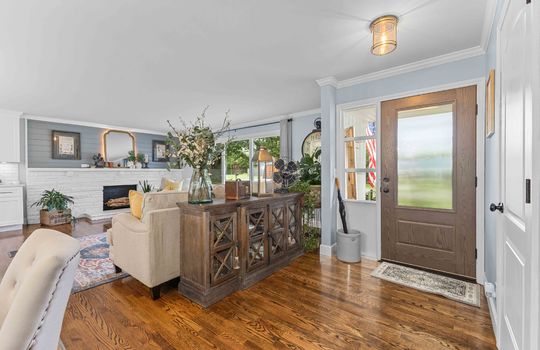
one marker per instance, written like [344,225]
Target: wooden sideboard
[230,245]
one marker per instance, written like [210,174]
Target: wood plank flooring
[315,303]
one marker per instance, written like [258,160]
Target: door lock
[499,207]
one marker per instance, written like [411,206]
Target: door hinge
[528,191]
[476,181]
[476,253]
[477,109]
[527,1]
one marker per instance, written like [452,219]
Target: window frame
[340,149]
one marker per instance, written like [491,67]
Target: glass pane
[360,185]
[215,172]
[425,157]
[270,143]
[360,122]
[361,154]
[238,160]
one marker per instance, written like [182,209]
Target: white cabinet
[11,207]
[10,136]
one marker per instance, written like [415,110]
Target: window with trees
[236,161]
[360,150]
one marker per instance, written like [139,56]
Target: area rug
[95,266]
[451,288]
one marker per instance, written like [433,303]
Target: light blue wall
[467,69]
[491,194]
[39,144]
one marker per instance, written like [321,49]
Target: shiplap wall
[40,144]
[9,173]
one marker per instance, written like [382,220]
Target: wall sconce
[263,174]
[384,31]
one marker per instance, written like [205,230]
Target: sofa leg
[117,269]
[155,292]
[174,282]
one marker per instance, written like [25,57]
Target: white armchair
[35,290]
[148,249]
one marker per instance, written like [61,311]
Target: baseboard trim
[492,306]
[10,228]
[327,250]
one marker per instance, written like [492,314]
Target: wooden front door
[428,193]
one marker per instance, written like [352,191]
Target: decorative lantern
[384,31]
[263,173]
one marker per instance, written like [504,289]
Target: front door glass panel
[425,157]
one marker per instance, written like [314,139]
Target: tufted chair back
[35,290]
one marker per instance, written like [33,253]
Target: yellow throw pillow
[135,203]
[170,185]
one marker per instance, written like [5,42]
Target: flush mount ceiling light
[384,31]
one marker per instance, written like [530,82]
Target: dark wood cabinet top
[223,203]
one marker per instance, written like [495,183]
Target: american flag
[371,145]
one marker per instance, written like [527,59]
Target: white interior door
[516,323]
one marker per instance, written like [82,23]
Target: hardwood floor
[315,303]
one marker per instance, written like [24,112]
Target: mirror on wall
[117,144]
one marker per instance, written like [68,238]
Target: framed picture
[490,104]
[159,151]
[66,145]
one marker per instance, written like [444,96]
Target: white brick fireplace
[86,187]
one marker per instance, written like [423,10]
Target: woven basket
[55,217]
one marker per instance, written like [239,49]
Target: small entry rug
[451,288]
[95,266]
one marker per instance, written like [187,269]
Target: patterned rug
[451,288]
[95,267]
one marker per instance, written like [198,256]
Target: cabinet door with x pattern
[257,237]
[223,247]
[277,240]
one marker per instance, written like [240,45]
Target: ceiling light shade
[384,31]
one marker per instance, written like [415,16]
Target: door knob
[499,207]
[386,190]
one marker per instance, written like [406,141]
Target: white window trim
[340,149]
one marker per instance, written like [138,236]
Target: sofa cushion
[170,185]
[135,203]
[161,200]
[129,222]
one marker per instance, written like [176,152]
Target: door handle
[384,187]
[499,207]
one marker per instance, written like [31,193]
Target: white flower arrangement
[195,143]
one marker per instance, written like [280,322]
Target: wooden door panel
[429,215]
[440,237]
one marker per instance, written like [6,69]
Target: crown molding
[414,66]
[489,19]
[90,124]
[328,81]
[9,113]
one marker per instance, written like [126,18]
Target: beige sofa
[148,249]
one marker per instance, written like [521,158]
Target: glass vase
[200,187]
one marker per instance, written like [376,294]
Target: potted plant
[145,186]
[131,159]
[312,233]
[139,160]
[195,144]
[309,168]
[54,208]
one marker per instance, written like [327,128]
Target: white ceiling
[137,63]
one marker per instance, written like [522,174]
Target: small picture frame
[490,104]
[66,145]
[159,151]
